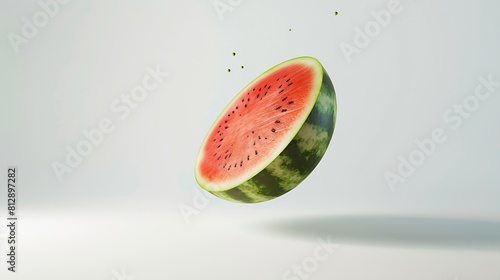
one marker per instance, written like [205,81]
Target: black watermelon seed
[277,108]
[229,168]
[284,98]
[225,121]
[226,127]
[287,80]
[277,121]
[225,157]
[218,146]
[233,112]
[290,84]
[253,144]
[245,105]
[281,91]
[253,132]
[248,99]
[248,157]
[243,100]
[256,153]
[258,95]
[260,89]
[280,86]
[241,163]
[236,107]
[273,130]
[291,102]
[284,110]
[224,165]
[259,137]
[235,165]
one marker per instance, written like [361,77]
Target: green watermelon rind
[297,158]
[212,186]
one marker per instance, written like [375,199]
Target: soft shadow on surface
[392,231]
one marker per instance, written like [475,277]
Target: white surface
[80,245]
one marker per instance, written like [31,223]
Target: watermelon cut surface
[271,136]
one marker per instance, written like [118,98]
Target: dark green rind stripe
[298,159]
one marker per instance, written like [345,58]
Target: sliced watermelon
[271,136]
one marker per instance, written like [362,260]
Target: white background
[119,209]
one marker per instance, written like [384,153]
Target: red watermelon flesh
[259,123]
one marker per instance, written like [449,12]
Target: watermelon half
[271,136]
